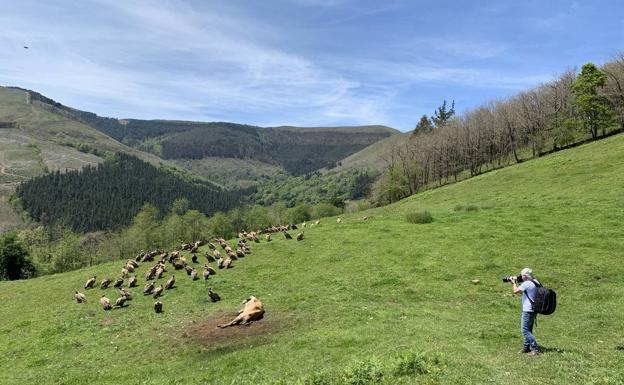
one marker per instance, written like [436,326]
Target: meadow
[366,301]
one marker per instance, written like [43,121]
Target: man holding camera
[528,288]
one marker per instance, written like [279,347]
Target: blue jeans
[528,319]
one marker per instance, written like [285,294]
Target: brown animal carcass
[253,311]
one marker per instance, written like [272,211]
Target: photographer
[528,288]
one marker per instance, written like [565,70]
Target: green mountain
[111,194]
[39,135]
[381,301]
[298,150]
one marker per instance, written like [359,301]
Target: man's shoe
[524,350]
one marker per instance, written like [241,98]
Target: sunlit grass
[353,300]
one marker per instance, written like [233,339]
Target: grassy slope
[369,289]
[372,156]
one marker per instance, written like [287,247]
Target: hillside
[372,157]
[376,301]
[37,137]
[298,150]
[110,195]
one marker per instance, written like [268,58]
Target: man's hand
[514,287]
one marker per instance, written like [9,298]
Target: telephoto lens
[509,278]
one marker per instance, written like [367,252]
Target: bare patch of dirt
[206,331]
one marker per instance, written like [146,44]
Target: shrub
[419,217]
[14,259]
[414,363]
[322,210]
[298,214]
[363,373]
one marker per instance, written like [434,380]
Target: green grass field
[376,301]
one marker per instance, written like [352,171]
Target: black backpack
[545,299]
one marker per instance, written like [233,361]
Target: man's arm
[514,287]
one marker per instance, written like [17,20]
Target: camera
[509,278]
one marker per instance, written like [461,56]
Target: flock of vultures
[162,266]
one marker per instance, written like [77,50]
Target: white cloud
[204,61]
[177,60]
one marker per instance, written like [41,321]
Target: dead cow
[253,311]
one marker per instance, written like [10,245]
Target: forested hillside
[572,109]
[111,194]
[297,150]
[36,136]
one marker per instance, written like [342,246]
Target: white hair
[527,271]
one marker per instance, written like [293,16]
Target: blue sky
[298,62]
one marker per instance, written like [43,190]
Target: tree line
[40,250]
[109,195]
[569,110]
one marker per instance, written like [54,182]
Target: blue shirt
[528,288]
